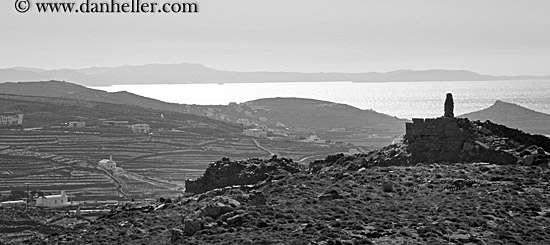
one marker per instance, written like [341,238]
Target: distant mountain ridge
[196,73]
[513,116]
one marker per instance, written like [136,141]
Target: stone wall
[449,139]
[435,139]
[227,173]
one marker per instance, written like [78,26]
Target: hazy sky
[490,37]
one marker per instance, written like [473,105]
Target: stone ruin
[450,139]
[246,172]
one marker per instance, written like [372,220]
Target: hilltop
[513,116]
[196,73]
[319,115]
[66,90]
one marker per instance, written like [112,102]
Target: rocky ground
[424,204]
[375,198]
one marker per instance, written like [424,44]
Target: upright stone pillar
[449,106]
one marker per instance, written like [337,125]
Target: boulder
[257,198]
[528,159]
[216,209]
[191,226]
[236,220]
[176,235]
[330,195]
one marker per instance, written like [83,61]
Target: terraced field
[25,173]
[55,159]
[151,165]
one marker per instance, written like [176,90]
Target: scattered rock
[236,220]
[191,226]
[528,159]
[228,173]
[387,186]
[216,209]
[176,235]
[257,198]
[329,195]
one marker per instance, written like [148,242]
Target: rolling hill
[321,115]
[513,116]
[66,90]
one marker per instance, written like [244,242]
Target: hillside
[320,115]
[300,114]
[513,116]
[374,198]
[66,90]
[50,156]
[196,73]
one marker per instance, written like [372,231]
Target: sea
[400,99]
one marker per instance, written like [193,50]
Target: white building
[255,133]
[244,122]
[262,127]
[314,139]
[77,124]
[338,130]
[13,203]
[141,128]
[7,119]
[53,200]
[108,164]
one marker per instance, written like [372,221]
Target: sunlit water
[401,99]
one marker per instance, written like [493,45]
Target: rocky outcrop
[227,173]
[461,140]
[450,140]
[425,204]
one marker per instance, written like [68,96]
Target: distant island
[196,73]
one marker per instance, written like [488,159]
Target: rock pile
[227,173]
[451,140]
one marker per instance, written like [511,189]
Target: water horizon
[400,99]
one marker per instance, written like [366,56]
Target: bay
[401,99]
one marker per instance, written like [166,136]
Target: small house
[262,127]
[244,122]
[13,203]
[77,124]
[142,128]
[258,133]
[8,119]
[108,164]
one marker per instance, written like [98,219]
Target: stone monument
[449,106]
